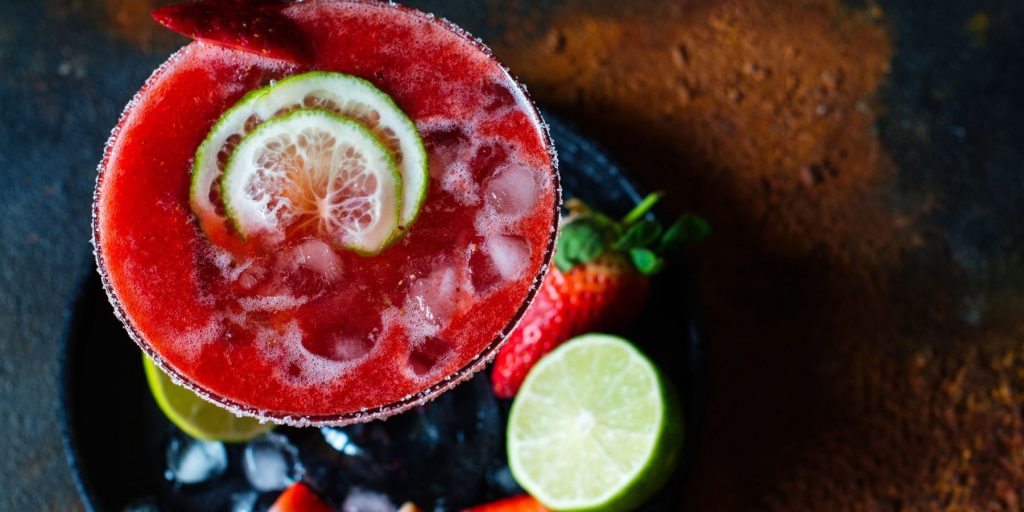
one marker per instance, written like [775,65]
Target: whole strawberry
[600,283]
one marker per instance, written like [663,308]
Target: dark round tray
[115,436]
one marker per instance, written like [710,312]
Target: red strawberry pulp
[305,332]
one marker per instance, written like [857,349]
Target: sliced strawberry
[523,503]
[255,26]
[600,283]
[299,498]
[248,3]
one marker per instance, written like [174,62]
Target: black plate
[115,436]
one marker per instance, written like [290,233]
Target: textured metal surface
[951,123]
[63,82]
[861,164]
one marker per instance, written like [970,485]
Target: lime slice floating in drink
[594,427]
[314,172]
[348,96]
[195,416]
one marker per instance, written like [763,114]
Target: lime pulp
[594,427]
[195,416]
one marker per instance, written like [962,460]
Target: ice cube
[348,348]
[483,274]
[191,461]
[431,302]
[244,501]
[488,157]
[362,500]
[142,505]
[251,275]
[425,356]
[513,191]
[344,338]
[306,269]
[444,448]
[271,463]
[444,145]
[315,255]
[509,254]
[340,440]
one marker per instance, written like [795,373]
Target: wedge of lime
[345,95]
[594,427]
[312,172]
[195,416]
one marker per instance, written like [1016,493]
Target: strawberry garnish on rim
[600,283]
[254,26]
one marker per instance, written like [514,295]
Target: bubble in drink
[191,461]
[271,463]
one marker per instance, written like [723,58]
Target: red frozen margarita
[331,239]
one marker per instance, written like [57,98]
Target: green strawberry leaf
[589,233]
[562,262]
[581,241]
[646,261]
[685,232]
[642,234]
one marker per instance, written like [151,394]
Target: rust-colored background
[863,284]
[861,163]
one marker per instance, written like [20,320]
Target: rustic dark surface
[866,348]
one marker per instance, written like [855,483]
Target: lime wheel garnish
[345,95]
[311,172]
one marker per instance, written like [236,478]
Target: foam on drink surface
[307,329]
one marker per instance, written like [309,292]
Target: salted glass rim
[368,414]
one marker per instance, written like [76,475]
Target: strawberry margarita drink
[329,240]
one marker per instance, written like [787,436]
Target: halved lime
[342,94]
[317,173]
[594,427]
[195,416]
